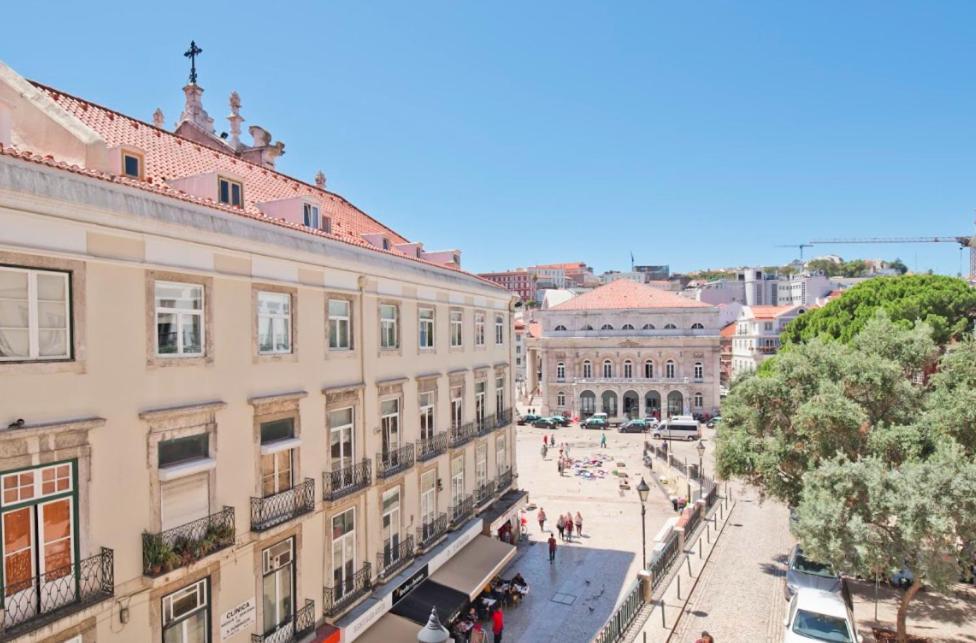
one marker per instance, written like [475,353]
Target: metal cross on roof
[192,54]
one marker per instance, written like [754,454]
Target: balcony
[186,544]
[392,559]
[336,600]
[33,603]
[461,511]
[504,481]
[430,532]
[294,628]
[503,419]
[349,479]
[432,446]
[394,461]
[485,425]
[462,434]
[282,507]
[484,492]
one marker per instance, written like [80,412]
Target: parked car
[634,426]
[561,420]
[545,423]
[803,572]
[820,616]
[594,422]
[528,418]
[680,427]
[714,422]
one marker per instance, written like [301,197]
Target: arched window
[587,370]
[699,400]
[607,368]
[628,369]
[587,327]
[560,371]
[560,399]
[627,327]
[647,327]
[699,371]
[606,327]
[649,370]
[669,327]
[697,326]
[669,369]
[560,327]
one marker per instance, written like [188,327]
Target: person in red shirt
[497,623]
[552,548]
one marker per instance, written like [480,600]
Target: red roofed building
[757,334]
[626,348]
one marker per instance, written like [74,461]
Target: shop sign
[237,619]
[411,583]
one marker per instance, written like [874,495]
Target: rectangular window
[457,320]
[481,464]
[426,324]
[479,329]
[277,465]
[457,410]
[274,322]
[180,450]
[231,192]
[457,480]
[501,454]
[426,401]
[390,424]
[479,404]
[340,330]
[311,215]
[499,396]
[343,551]
[132,165]
[340,438]
[186,614]
[179,319]
[388,326]
[499,329]
[35,318]
[391,526]
[428,501]
[278,585]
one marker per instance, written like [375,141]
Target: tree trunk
[906,598]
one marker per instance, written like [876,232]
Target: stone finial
[158,119]
[235,119]
[193,111]
[320,180]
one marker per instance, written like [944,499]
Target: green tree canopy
[946,304]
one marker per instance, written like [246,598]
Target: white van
[679,427]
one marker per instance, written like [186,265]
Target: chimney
[235,119]
[320,180]
[193,111]
[262,151]
[158,119]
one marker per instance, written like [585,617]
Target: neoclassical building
[627,349]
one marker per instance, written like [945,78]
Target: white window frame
[389,327]
[499,329]
[425,328]
[699,371]
[310,214]
[669,369]
[457,328]
[560,371]
[390,426]
[180,313]
[479,329]
[560,399]
[698,400]
[393,538]
[628,369]
[272,318]
[607,368]
[33,328]
[499,396]
[457,412]
[230,192]
[427,415]
[170,621]
[648,369]
[587,370]
[339,320]
[347,543]
[344,459]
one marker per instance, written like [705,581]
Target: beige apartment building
[233,406]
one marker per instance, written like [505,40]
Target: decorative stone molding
[343,395]
[175,417]
[456,378]
[392,387]
[277,403]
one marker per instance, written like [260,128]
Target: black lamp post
[642,491]
[701,453]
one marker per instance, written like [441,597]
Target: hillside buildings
[626,349]
[236,407]
[757,334]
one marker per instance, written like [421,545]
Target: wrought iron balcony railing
[336,599]
[504,418]
[462,434]
[394,461]
[282,507]
[504,480]
[349,479]
[485,425]
[484,492]
[431,447]
[393,559]
[34,602]
[295,627]
[461,510]
[180,546]
[429,532]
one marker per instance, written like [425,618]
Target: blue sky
[698,134]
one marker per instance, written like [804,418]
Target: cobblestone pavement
[570,600]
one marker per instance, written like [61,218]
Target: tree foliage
[946,304]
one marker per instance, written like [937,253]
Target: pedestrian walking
[541,517]
[579,524]
[552,548]
[478,634]
[603,440]
[552,439]
[497,623]
[545,440]
[569,527]
[559,465]
[561,526]
[706,638]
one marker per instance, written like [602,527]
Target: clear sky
[697,134]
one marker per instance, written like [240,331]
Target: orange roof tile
[728,330]
[624,293]
[769,312]
[535,329]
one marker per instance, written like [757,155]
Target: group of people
[497,593]
[470,628]
[564,523]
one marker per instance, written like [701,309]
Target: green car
[561,420]
[594,423]
[527,419]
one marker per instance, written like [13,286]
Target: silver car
[803,572]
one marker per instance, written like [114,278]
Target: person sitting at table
[519,580]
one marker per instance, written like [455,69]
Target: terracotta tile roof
[624,293]
[769,312]
[168,156]
[562,266]
[535,329]
[728,330]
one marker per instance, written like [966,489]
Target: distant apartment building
[757,334]
[756,287]
[520,282]
[802,289]
[531,282]
[726,339]
[655,273]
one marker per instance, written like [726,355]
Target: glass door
[343,552]
[341,447]
[278,588]
[391,527]
[428,503]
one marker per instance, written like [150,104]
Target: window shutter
[185,500]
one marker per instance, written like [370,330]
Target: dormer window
[386,243]
[231,192]
[311,216]
[132,164]
[326,224]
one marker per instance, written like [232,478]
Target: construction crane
[964,241]
[801,246]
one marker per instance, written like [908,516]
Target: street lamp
[433,632]
[642,491]
[701,453]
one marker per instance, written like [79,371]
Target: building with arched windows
[654,354]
